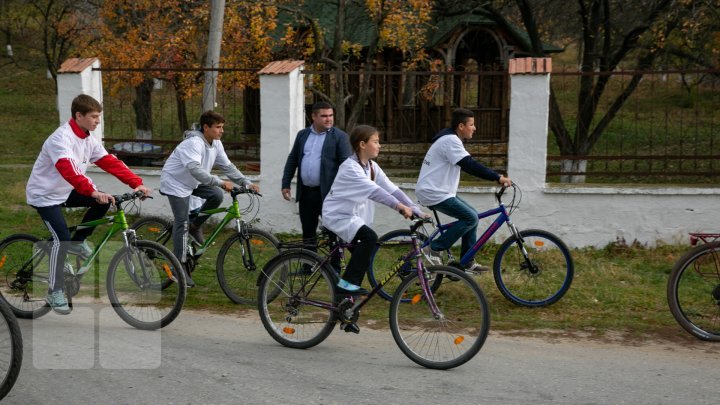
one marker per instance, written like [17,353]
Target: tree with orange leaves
[168,38]
[340,35]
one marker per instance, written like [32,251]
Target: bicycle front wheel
[539,278]
[240,262]
[391,247]
[24,275]
[11,350]
[295,299]
[448,337]
[135,282]
[693,292]
[154,228]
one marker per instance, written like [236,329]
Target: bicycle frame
[502,218]
[119,224]
[406,258]
[231,212]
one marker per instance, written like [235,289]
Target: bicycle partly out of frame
[11,349]
[135,274]
[531,268]
[299,306]
[241,256]
[693,289]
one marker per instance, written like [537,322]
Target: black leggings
[55,222]
[363,247]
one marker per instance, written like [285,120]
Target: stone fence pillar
[529,112]
[282,115]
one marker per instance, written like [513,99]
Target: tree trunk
[181,108]
[143,109]
[573,166]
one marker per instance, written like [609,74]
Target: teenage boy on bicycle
[186,173]
[438,182]
[58,180]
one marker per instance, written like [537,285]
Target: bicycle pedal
[350,327]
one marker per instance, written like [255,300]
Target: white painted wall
[579,214]
[70,85]
[282,115]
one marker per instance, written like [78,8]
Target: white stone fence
[581,215]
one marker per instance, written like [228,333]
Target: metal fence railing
[667,131]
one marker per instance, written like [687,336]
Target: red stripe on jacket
[72,175]
[117,168]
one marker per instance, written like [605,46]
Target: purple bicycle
[299,306]
[532,267]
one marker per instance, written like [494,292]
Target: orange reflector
[168,272]
[416,298]
[539,243]
[152,229]
[2,261]
[288,330]
[257,242]
[459,340]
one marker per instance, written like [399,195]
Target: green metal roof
[359,27]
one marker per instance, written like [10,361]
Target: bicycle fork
[528,265]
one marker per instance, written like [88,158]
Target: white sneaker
[475,267]
[81,249]
[432,256]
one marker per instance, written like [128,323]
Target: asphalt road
[92,357]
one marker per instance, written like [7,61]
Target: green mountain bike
[135,274]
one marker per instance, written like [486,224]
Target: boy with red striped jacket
[58,180]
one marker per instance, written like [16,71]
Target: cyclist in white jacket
[187,173]
[349,208]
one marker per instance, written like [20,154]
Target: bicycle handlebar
[243,190]
[499,193]
[418,222]
[121,198]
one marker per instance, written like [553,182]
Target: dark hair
[321,105]
[362,133]
[210,118]
[460,116]
[84,104]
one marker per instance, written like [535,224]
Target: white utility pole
[217,14]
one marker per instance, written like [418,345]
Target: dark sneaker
[81,249]
[195,232]
[56,300]
[350,327]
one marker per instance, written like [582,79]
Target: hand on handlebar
[404,210]
[505,181]
[254,187]
[146,191]
[227,186]
[102,198]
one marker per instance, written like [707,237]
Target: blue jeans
[465,227]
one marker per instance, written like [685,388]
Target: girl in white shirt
[348,209]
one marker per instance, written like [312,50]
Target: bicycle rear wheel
[289,284]
[541,278]
[693,292]
[156,229]
[240,262]
[24,274]
[391,247]
[135,285]
[454,336]
[11,350]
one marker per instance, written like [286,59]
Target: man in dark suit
[316,156]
